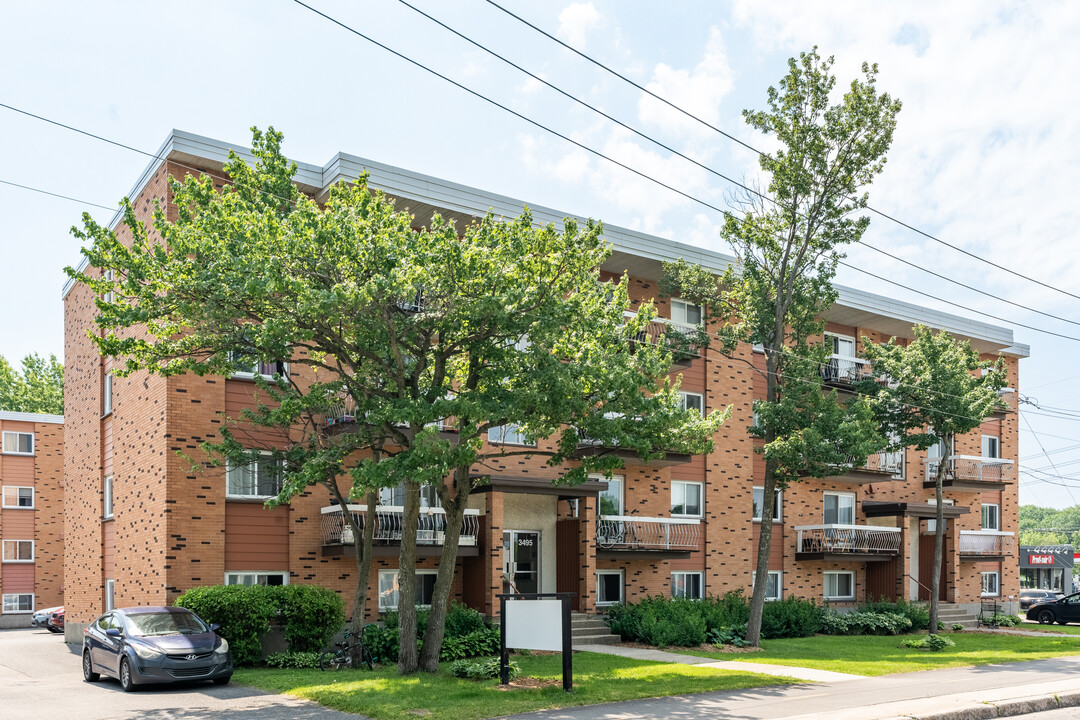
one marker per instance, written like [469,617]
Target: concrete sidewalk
[972,693]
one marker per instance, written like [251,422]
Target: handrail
[641,533]
[636,518]
[917,582]
[838,526]
[389,522]
[847,539]
[987,532]
[393,508]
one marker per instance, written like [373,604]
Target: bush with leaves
[936,643]
[660,621]
[481,669]
[918,613]
[864,623]
[467,635]
[242,611]
[728,635]
[958,627]
[1000,620]
[792,617]
[311,614]
[293,660]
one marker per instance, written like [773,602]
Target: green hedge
[310,615]
[466,635]
[864,623]
[916,612]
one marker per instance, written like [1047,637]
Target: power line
[57,195]
[1049,459]
[761,153]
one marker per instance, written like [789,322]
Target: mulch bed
[530,683]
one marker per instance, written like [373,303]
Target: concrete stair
[588,629]
[953,614]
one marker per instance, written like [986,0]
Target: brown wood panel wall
[256,538]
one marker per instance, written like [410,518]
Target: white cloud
[576,20]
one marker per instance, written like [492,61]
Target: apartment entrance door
[521,560]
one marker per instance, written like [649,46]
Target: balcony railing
[854,539]
[679,338]
[430,530]
[985,542]
[342,411]
[630,532]
[972,469]
[884,463]
[844,369]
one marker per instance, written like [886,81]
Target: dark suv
[1034,597]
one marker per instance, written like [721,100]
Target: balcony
[971,472]
[847,543]
[337,535]
[589,447]
[876,468]
[617,535]
[985,544]
[678,338]
[843,370]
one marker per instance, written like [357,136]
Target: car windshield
[166,623]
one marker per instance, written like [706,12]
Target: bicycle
[342,657]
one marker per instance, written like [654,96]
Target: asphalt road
[41,678]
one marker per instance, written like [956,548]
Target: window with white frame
[388,588]
[840,345]
[774,586]
[991,584]
[686,498]
[509,434]
[18,551]
[108,498]
[839,585]
[108,275]
[931,524]
[395,496]
[991,446]
[692,401]
[991,516]
[110,595]
[611,500]
[259,479]
[247,366]
[758,496]
[688,585]
[256,577]
[17,443]
[106,395]
[685,313]
[937,450]
[15,496]
[18,602]
[609,587]
[839,508]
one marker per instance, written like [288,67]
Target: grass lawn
[1065,629]
[597,679]
[875,655]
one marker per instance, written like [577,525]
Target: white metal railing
[833,538]
[973,468]
[647,533]
[845,369]
[985,542]
[431,525]
[891,463]
[678,336]
[342,411]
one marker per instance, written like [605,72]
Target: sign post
[526,621]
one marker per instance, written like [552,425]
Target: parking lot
[42,678]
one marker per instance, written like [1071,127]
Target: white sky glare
[986,154]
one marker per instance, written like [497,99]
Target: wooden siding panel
[18,525]
[108,549]
[256,538]
[18,470]
[17,578]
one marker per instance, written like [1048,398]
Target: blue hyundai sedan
[142,645]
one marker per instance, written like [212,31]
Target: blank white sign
[534,624]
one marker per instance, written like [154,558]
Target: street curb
[1003,708]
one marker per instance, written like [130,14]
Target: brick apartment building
[142,527]
[31,515]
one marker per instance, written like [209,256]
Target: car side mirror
[214,627]
[113,632]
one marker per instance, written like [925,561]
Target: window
[106,396]
[18,551]
[609,587]
[388,588]
[247,366]
[839,508]
[685,313]
[256,578]
[110,595]
[18,497]
[686,498]
[692,401]
[611,500]
[991,446]
[689,585]
[991,584]
[395,496]
[759,502]
[108,493]
[839,586]
[991,516]
[931,524]
[840,345]
[259,479]
[18,443]
[108,275]
[936,451]
[18,602]
[508,435]
[774,588]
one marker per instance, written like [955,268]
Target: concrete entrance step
[586,629]
[607,639]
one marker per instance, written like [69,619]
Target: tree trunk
[757,599]
[433,636]
[407,581]
[939,541]
[363,546]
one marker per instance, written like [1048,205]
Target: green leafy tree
[39,388]
[929,391]
[787,251]
[419,341]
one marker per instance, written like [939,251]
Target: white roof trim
[31,417]
[184,146]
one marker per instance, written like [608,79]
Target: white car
[41,617]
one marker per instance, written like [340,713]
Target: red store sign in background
[1040,559]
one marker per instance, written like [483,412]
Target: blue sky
[986,155]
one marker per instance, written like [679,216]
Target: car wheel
[126,682]
[88,673]
[1045,617]
[222,680]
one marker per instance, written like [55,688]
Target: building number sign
[525,542]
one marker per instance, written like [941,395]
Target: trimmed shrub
[864,623]
[242,611]
[660,621]
[930,642]
[728,635]
[292,660]
[791,617]
[481,669]
[461,620]
[466,635]
[312,615]
[918,613]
